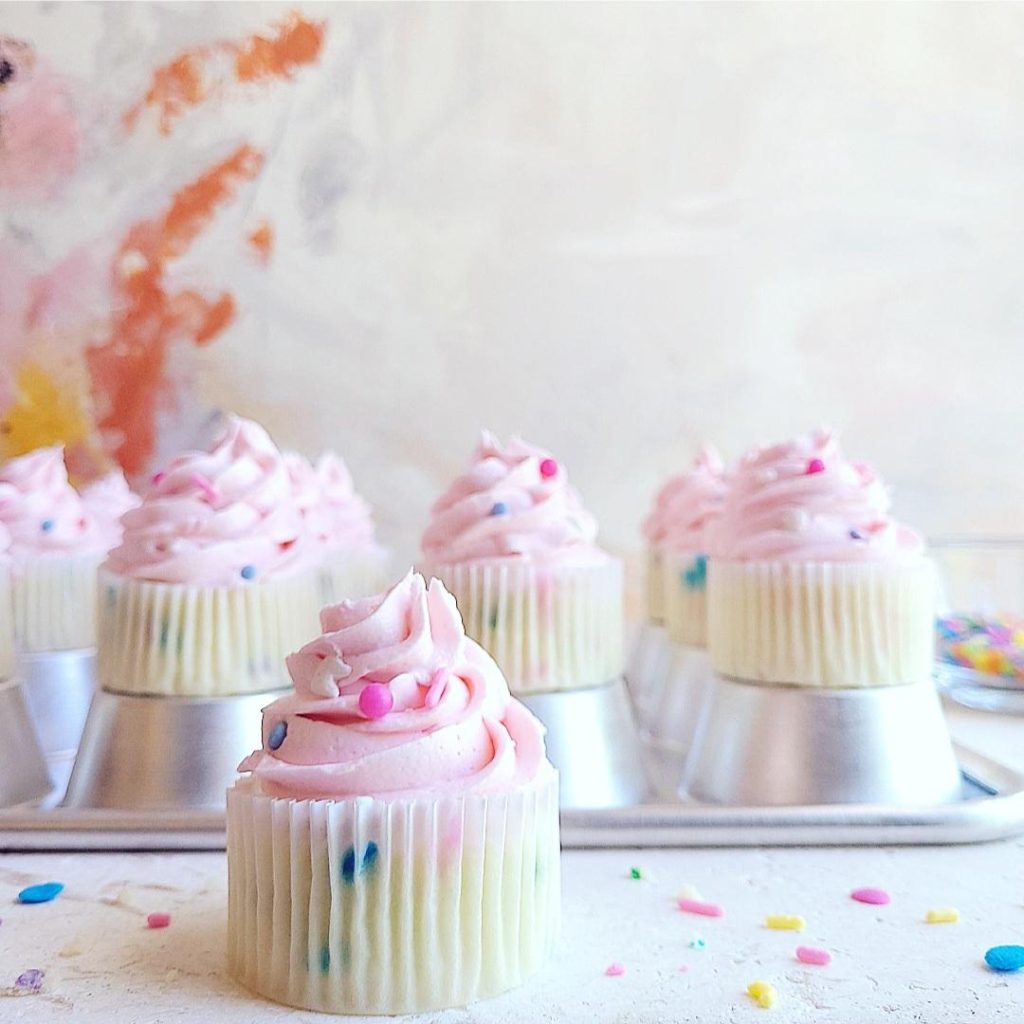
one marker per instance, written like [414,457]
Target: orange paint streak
[204,72]
[296,43]
[127,368]
[262,241]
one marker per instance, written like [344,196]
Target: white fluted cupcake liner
[181,640]
[6,623]
[549,627]
[385,906]
[655,587]
[684,585]
[347,575]
[54,602]
[836,625]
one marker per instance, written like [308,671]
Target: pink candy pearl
[376,700]
[815,466]
[548,468]
[876,897]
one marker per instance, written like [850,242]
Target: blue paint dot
[41,893]
[277,735]
[367,863]
[499,508]
[696,576]
[325,959]
[348,866]
[248,572]
[1005,958]
[47,525]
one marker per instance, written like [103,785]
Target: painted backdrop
[618,229]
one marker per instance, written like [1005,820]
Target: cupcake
[677,536]
[107,499]
[811,582]
[353,564]
[511,540]
[393,847]
[56,546]
[214,581]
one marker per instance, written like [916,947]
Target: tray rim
[999,815]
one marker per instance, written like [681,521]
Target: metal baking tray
[992,808]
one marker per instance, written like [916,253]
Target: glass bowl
[980,625]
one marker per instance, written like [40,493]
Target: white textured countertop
[103,965]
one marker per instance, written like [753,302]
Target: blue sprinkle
[370,857]
[368,863]
[696,576]
[248,572]
[325,959]
[856,535]
[47,525]
[277,735]
[41,893]
[499,508]
[1005,958]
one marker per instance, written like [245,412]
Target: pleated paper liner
[822,624]
[194,641]
[684,585]
[377,906]
[54,602]
[655,587]
[6,622]
[347,575]
[549,627]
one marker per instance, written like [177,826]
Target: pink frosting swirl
[687,505]
[513,501]
[803,501]
[393,700]
[221,517]
[42,511]
[348,514]
[107,499]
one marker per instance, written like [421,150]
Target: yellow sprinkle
[943,915]
[763,993]
[70,950]
[785,922]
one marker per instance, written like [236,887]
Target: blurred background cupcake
[513,543]
[107,499]
[353,563]
[393,847]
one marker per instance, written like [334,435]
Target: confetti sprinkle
[376,700]
[41,893]
[247,572]
[697,942]
[47,525]
[700,907]
[30,980]
[785,922]
[876,897]
[499,508]
[815,466]
[811,955]
[992,645]
[210,493]
[548,468]
[277,735]
[636,874]
[763,993]
[1005,958]
[942,915]
[158,920]
[614,971]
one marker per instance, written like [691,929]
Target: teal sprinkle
[696,577]
[493,620]
[370,857]
[325,958]
[697,943]
[165,632]
[367,864]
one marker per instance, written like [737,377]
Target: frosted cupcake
[677,535]
[107,499]
[394,846]
[215,579]
[353,564]
[56,546]
[511,540]
[811,582]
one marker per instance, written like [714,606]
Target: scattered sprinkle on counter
[697,942]
[700,907]
[158,920]
[636,874]
[41,893]
[942,915]
[815,957]
[615,970]
[1005,958]
[30,981]
[876,897]
[785,922]
[763,993]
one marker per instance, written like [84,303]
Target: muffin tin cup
[24,776]
[770,745]
[59,687]
[592,740]
[647,661]
[145,753]
[675,697]
[391,905]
